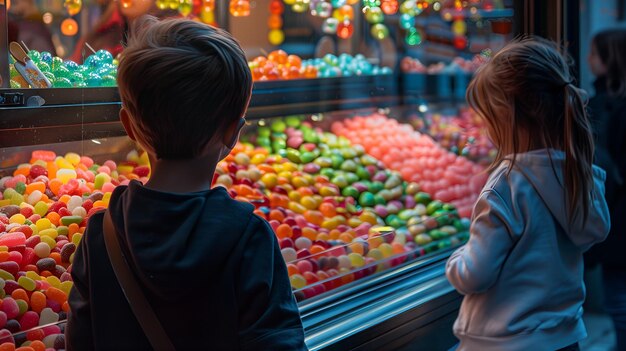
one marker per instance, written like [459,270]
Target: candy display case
[365,163]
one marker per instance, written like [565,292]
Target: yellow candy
[106,197]
[297,281]
[48,240]
[375,254]
[43,223]
[33,275]
[17,218]
[5,202]
[76,238]
[356,260]
[27,283]
[66,286]
[54,281]
[51,233]
[6,276]
[4,248]
[63,163]
[64,175]
[257,159]
[72,158]
[386,249]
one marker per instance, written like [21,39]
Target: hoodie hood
[544,171]
[168,236]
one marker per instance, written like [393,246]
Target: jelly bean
[38,301]
[48,316]
[67,220]
[10,307]
[7,346]
[56,295]
[289,254]
[46,264]
[64,175]
[8,270]
[74,202]
[29,320]
[27,283]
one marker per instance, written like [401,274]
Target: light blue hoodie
[522,269]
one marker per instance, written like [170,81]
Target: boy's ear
[128,125]
[231,136]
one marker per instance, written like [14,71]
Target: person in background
[29,27]
[210,268]
[522,269]
[607,62]
[106,34]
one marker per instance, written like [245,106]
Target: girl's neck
[182,176]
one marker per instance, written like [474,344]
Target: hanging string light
[276,36]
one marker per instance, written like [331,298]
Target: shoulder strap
[136,299]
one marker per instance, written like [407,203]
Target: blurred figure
[607,62]
[29,26]
[106,34]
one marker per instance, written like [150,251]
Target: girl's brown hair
[527,97]
[611,47]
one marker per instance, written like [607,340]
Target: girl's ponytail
[578,148]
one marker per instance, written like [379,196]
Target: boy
[210,269]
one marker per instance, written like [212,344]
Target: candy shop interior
[358,150]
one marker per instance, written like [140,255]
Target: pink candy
[13,239]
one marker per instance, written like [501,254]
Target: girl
[522,269]
[608,113]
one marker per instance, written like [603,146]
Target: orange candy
[316,249]
[38,345]
[54,218]
[292,269]
[314,217]
[7,346]
[328,210]
[284,231]
[276,215]
[4,256]
[37,301]
[56,256]
[274,22]
[20,294]
[278,56]
[56,295]
[309,233]
[54,185]
[35,186]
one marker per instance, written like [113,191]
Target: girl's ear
[128,125]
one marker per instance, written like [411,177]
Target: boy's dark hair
[183,83]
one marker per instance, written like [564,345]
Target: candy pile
[464,134]
[44,208]
[99,70]
[458,65]
[330,203]
[418,158]
[279,65]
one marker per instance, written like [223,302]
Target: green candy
[67,220]
[61,82]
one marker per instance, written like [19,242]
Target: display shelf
[382,310]
[74,114]
[418,88]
